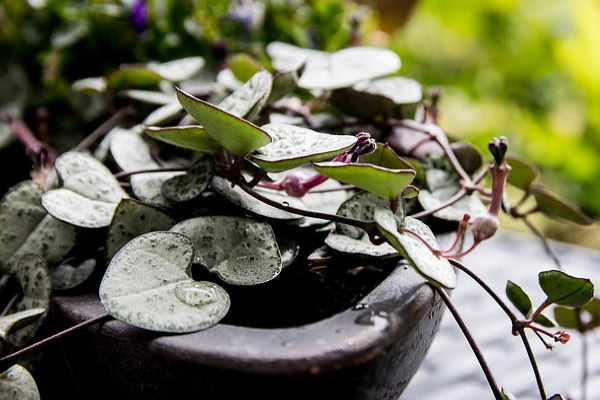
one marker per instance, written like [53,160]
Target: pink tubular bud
[294,185]
[484,227]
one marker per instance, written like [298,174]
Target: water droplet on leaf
[195,293]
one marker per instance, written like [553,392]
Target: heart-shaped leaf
[381,97]
[506,395]
[519,298]
[13,322]
[27,228]
[359,247]
[65,276]
[241,251]
[16,383]
[132,153]
[147,285]
[293,147]
[362,206]
[178,70]
[32,275]
[523,173]
[133,219]
[189,185]
[288,248]
[566,290]
[384,182]
[236,135]
[242,199]
[163,114]
[247,101]
[554,206]
[192,137]
[89,194]
[336,70]
[435,269]
[149,96]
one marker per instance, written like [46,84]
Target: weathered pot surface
[369,351]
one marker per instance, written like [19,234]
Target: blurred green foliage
[524,69]
[56,42]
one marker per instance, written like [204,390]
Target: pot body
[368,352]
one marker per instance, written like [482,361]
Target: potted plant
[315,249]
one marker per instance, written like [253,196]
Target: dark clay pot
[370,351]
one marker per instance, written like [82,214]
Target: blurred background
[527,70]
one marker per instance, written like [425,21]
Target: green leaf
[359,247]
[384,182]
[523,172]
[31,272]
[147,285]
[16,383]
[240,198]
[90,85]
[385,156]
[435,269]
[362,206]
[378,98]
[243,66]
[284,83]
[247,101]
[566,317]
[65,276]
[192,137]
[191,184]
[236,135]
[468,156]
[566,290]
[552,205]
[242,251]
[545,321]
[133,219]
[519,298]
[27,228]
[293,147]
[132,153]
[328,71]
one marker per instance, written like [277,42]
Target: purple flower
[139,16]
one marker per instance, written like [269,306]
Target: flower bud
[562,337]
[484,227]
[294,185]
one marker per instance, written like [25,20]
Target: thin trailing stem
[40,154]
[8,360]
[102,130]
[534,366]
[13,300]
[369,227]
[584,365]
[549,250]
[124,174]
[478,354]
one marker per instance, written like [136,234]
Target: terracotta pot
[370,351]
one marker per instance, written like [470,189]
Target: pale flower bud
[484,227]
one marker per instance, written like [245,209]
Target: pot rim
[327,345]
